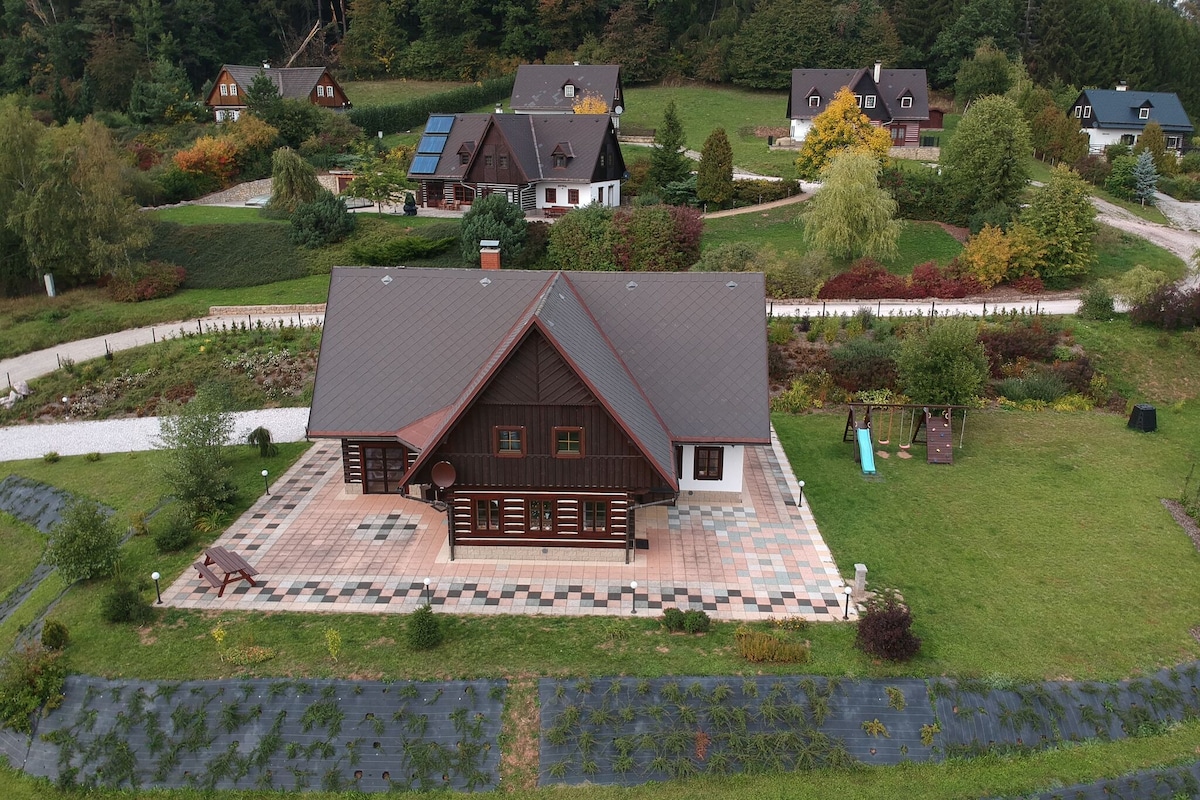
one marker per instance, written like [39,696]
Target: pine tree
[1145,178]
[714,179]
[840,127]
[668,164]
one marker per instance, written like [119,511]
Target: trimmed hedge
[228,256]
[396,117]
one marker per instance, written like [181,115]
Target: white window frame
[858,99]
[906,102]
[320,90]
[233,90]
[569,90]
[1143,113]
[1174,142]
[224,90]
[870,101]
[814,101]
[1078,112]
[1087,112]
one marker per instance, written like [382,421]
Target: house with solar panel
[544,408]
[896,99]
[546,162]
[314,84]
[1118,116]
[556,88]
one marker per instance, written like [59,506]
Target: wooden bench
[234,566]
[555,211]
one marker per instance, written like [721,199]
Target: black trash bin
[1144,418]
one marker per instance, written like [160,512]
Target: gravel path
[127,435]
[1183,243]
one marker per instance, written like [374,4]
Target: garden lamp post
[801,499]
[155,576]
[848,590]
[266,486]
[633,586]
[428,602]
[67,407]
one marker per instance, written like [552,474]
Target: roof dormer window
[561,152]
[568,90]
[1143,113]
[906,102]
[560,160]
[233,89]
[814,100]
[870,101]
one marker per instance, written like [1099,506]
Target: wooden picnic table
[234,566]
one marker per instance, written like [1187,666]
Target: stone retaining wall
[244,191]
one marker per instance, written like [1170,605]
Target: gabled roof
[294,83]
[533,139]
[891,86]
[674,357]
[1119,109]
[539,87]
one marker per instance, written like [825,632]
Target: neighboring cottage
[556,88]
[314,84]
[1118,116]
[546,405]
[896,99]
[545,161]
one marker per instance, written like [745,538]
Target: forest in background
[85,55]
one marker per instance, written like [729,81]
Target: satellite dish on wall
[443,474]
[619,110]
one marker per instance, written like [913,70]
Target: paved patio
[318,548]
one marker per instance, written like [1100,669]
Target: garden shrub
[755,191]
[321,222]
[929,280]
[1029,284]
[1096,303]
[943,363]
[790,275]
[55,635]
[51,457]
[1012,342]
[1094,169]
[885,629]
[145,281]
[1078,373]
[209,157]
[728,257]
[696,621]
[123,603]
[673,619]
[176,534]
[30,678]
[85,543]
[758,647]
[778,367]
[864,363]
[781,331]
[492,217]
[399,251]
[1041,385]
[424,629]
[197,467]
[1169,308]
[1182,187]
[866,280]
[1137,284]
[656,238]
[811,390]
[1190,163]
[986,256]
[919,194]
[1120,181]
[537,239]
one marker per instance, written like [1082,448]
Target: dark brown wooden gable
[536,375]
[215,98]
[610,166]
[493,151]
[865,87]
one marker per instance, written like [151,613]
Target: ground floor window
[899,133]
[1128,138]
[709,461]
[383,467]
[541,515]
[463,194]
[551,196]
[595,516]
[487,515]
[573,196]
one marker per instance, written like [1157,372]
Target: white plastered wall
[731,470]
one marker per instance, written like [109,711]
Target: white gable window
[906,102]
[320,90]
[1087,112]
[858,99]
[870,101]
[1078,112]
[233,89]
[814,100]
[1143,113]
[224,90]
[568,91]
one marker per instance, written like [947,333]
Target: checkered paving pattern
[317,547]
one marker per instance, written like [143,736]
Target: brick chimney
[489,253]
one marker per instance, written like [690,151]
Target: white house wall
[800,128]
[588,194]
[731,470]
[1098,138]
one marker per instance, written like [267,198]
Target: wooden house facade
[316,85]
[537,406]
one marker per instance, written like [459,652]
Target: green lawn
[212,215]
[919,241]
[22,546]
[1118,252]
[379,93]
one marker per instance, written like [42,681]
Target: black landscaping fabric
[273,734]
[1169,783]
[35,503]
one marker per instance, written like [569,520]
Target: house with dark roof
[896,99]
[227,98]
[542,407]
[538,161]
[1118,116]
[556,88]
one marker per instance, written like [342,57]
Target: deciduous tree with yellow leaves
[590,103]
[840,127]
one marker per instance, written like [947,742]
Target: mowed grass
[1042,552]
[704,108]
[1118,252]
[988,776]
[779,228]
[21,545]
[379,93]
[212,215]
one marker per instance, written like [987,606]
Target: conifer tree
[1145,178]
[714,179]
[668,164]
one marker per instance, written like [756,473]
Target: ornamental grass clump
[759,647]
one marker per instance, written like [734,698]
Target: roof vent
[731,285]
[485,282]
[631,285]
[386,279]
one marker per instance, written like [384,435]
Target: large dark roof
[673,356]
[539,87]
[295,83]
[1119,109]
[533,139]
[892,85]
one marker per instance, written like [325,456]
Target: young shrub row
[868,280]
[758,647]
[693,620]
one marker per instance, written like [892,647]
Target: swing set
[933,420]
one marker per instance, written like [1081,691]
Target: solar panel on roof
[423,165]
[439,123]
[432,144]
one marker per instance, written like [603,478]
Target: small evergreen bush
[864,363]
[1043,385]
[55,635]
[696,621]
[673,619]
[124,604]
[323,221]
[176,534]
[424,631]
[52,457]
[885,629]
[30,678]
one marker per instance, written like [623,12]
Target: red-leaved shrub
[1008,344]
[154,279]
[866,280]
[1029,284]
[885,629]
